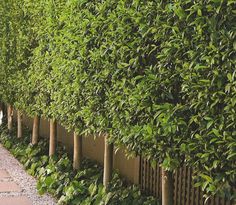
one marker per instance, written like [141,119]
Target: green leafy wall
[158,76]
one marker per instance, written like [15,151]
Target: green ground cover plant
[55,175]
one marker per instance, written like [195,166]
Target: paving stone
[21,200]
[22,185]
[4,174]
[9,187]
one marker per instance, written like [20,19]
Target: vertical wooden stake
[19,124]
[53,134]
[108,162]
[167,187]
[77,161]
[10,118]
[35,132]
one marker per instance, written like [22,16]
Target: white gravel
[20,177]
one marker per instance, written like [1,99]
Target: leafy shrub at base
[55,175]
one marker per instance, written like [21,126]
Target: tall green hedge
[158,76]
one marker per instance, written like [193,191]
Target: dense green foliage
[56,176]
[158,76]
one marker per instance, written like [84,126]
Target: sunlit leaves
[158,76]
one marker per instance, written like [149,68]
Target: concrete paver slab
[4,174]
[9,187]
[21,200]
[19,184]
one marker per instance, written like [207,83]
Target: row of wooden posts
[167,177]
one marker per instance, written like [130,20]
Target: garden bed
[56,176]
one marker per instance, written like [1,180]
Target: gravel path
[26,182]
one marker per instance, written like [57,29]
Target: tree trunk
[77,152]
[19,124]
[53,140]
[35,132]
[108,163]
[10,118]
[167,187]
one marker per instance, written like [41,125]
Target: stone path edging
[16,186]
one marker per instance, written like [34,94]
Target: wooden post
[108,162]
[77,161]
[10,118]
[19,124]
[35,132]
[53,134]
[167,187]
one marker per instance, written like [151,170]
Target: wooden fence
[184,191]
